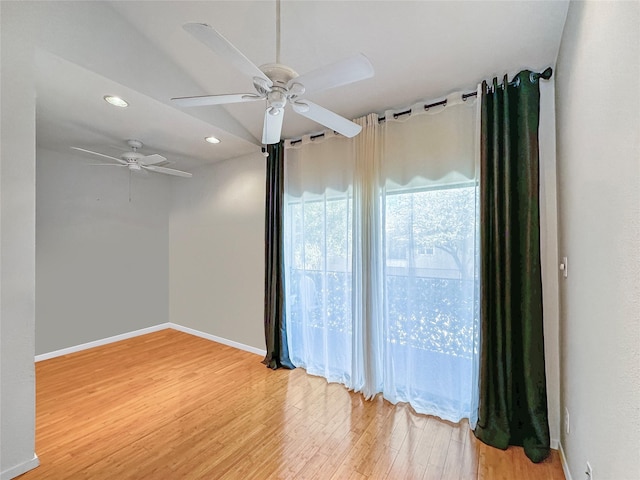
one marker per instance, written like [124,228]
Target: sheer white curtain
[381,258]
[431,269]
[318,256]
[368,260]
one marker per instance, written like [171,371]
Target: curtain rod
[546,75]
[428,106]
[396,115]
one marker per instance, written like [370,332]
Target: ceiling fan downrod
[278,20]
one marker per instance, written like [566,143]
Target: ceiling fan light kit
[279,85]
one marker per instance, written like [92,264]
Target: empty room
[309,239]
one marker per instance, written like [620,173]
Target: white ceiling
[138,50]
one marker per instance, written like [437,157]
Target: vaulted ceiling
[420,50]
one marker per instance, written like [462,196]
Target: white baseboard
[565,465]
[554,443]
[224,341]
[103,341]
[144,331]
[24,467]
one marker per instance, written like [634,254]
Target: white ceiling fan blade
[327,118]
[223,47]
[119,160]
[152,159]
[349,70]
[272,126]
[168,171]
[204,100]
[107,165]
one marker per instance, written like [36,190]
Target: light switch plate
[564,266]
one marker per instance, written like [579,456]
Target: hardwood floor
[169,405]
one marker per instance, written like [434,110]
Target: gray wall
[17,244]
[549,253]
[598,118]
[102,261]
[188,251]
[216,271]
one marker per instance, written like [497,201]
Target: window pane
[430,324]
[319,286]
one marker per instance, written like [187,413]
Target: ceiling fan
[136,161]
[279,84]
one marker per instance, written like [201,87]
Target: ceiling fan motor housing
[279,74]
[132,160]
[131,157]
[277,95]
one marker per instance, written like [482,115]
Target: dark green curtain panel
[513,395]
[275,330]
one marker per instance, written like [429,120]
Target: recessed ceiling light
[115,101]
[212,140]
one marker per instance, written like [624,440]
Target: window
[381,277]
[430,332]
[319,283]
[430,298]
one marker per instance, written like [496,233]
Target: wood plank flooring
[168,405]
